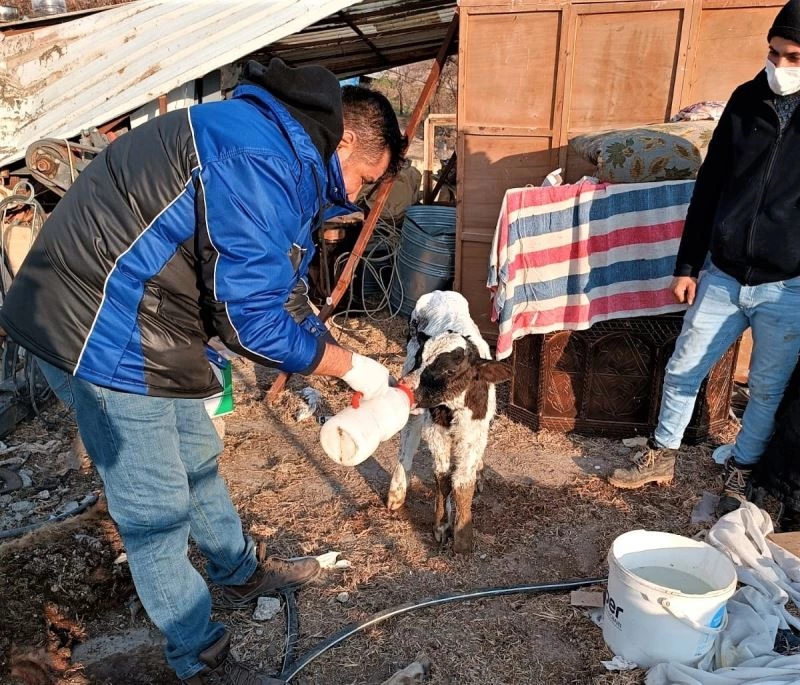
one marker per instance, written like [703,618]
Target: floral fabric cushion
[659,152]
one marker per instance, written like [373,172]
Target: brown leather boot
[223,669]
[652,465]
[270,577]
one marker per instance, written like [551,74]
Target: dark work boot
[271,577]
[737,483]
[223,669]
[652,465]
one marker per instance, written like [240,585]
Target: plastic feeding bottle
[354,433]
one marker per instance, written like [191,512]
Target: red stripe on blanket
[549,195]
[624,237]
[620,305]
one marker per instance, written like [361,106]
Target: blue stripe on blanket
[661,196]
[598,277]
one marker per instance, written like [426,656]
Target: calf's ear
[493,372]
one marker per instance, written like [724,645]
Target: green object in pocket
[222,403]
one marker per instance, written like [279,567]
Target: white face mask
[783,80]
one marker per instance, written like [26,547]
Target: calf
[448,366]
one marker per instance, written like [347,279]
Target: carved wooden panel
[607,380]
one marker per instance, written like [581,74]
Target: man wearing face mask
[197,224]
[745,215]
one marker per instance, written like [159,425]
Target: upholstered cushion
[659,152]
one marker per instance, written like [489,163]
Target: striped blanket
[566,257]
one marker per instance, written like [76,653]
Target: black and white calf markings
[449,368]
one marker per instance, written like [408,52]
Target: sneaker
[223,669]
[737,485]
[652,465]
[271,577]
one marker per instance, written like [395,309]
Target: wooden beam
[381,196]
[355,29]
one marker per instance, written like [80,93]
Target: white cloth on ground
[770,576]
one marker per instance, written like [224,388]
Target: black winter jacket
[746,203]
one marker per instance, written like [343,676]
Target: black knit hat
[787,23]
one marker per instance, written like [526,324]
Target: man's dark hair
[369,114]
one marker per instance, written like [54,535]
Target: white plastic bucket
[647,620]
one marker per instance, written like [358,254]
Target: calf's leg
[409,443]
[467,457]
[438,440]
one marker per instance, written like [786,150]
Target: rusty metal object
[56,163]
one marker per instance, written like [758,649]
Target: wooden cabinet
[607,380]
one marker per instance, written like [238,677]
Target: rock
[13,461]
[635,442]
[44,494]
[69,507]
[328,560]
[413,674]
[267,608]
[22,507]
[343,597]
[27,477]
[343,564]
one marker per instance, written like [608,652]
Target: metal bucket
[426,258]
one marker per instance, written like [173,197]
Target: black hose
[292,630]
[348,631]
[87,502]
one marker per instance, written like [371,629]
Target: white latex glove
[367,376]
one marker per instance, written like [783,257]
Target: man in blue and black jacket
[194,225]
[745,215]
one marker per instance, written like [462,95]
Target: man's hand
[362,374]
[367,376]
[684,289]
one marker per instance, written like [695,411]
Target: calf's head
[447,366]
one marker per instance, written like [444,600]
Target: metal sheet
[68,75]
[386,34]
[57,80]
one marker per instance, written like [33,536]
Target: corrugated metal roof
[59,79]
[369,36]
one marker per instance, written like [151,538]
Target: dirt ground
[68,610]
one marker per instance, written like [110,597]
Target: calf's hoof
[395,500]
[397,489]
[441,532]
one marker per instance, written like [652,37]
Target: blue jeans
[722,311]
[157,458]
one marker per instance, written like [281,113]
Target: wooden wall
[534,74]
